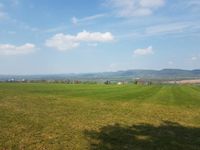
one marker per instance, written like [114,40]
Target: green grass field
[107,117]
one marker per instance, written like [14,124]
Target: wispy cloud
[143,51]
[55,29]
[186,5]
[132,8]
[64,42]
[22,25]
[76,20]
[178,29]
[168,28]
[8,49]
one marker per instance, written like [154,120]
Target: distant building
[119,83]
[142,82]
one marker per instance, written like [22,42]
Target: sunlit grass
[58,116]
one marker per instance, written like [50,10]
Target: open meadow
[93,117]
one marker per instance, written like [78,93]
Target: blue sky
[74,36]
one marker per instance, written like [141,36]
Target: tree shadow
[167,136]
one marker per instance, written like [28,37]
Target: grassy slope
[58,116]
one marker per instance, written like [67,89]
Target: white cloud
[94,36]
[8,49]
[75,20]
[64,42]
[144,51]
[131,8]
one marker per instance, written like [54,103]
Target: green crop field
[93,117]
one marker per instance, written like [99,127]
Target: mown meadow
[99,117]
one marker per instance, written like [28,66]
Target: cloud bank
[144,51]
[64,42]
[8,49]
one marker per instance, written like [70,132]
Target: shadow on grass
[167,136]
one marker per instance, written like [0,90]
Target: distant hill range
[165,74]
